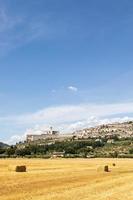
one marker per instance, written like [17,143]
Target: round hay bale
[106,168]
[20,168]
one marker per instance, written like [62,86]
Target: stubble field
[67,179]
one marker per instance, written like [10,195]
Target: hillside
[3,145]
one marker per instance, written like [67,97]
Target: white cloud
[70,113]
[72,88]
[15,139]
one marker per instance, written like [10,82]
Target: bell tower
[51,130]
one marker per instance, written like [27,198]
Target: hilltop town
[108,140]
[121,130]
[109,131]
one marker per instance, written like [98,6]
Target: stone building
[42,135]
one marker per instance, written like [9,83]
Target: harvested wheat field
[70,179]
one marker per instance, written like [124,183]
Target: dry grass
[72,179]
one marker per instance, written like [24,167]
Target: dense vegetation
[74,148]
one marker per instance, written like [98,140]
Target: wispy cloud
[8,25]
[19,29]
[15,138]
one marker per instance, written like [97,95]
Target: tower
[51,130]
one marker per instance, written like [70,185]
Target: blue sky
[64,58]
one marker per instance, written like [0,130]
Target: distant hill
[3,145]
